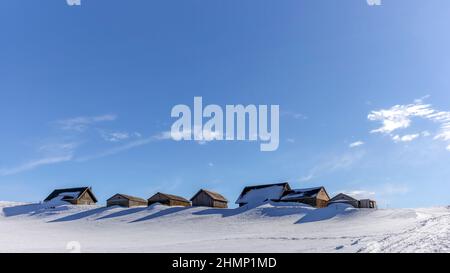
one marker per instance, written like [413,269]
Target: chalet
[74,196]
[316,197]
[126,201]
[262,193]
[168,200]
[205,198]
[346,199]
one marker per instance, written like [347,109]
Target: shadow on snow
[81,215]
[162,213]
[123,213]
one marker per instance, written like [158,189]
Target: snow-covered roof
[340,201]
[128,197]
[70,194]
[260,195]
[169,196]
[344,197]
[67,195]
[302,193]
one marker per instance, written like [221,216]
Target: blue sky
[85,91]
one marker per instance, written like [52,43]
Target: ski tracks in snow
[430,235]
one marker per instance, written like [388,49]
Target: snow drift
[268,227]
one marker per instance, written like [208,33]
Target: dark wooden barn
[315,197]
[74,196]
[262,193]
[344,199]
[168,200]
[368,204]
[126,201]
[206,198]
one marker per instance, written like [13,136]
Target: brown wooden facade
[206,198]
[346,199]
[168,200]
[126,201]
[315,197]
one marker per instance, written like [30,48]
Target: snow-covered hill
[269,227]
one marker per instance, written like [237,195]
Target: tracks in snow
[430,235]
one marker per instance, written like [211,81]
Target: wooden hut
[368,204]
[126,201]
[168,200]
[262,193]
[206,198]
[315,197]
[344,199]
[74,196]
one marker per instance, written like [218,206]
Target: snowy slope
[267,228]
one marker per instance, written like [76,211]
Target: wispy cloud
[57,148]
[119,136]
[80,124]
[401,116]
[294,115]
[34,164]
[383,193]
[333,164]
[118,149]
[49,154]
[356,144]
[360,194]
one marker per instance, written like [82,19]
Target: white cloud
[34,164]
[356,144]
[290,140]
[210,164]
[360,194]
[383,193]
[373,2]
[401,116]
[405,138]
[82,123]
